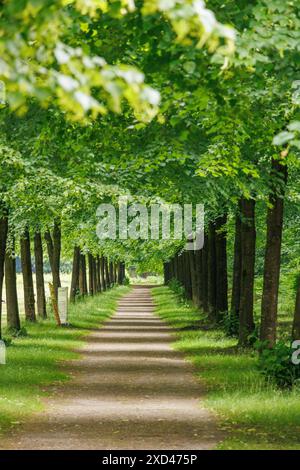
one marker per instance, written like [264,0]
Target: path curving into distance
[130,390]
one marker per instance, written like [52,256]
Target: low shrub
[177,288]
[276,364]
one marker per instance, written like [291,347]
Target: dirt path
[130,390]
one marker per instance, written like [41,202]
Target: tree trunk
[248,238]
[272,254]
[111,272]
[237,268]
[75,273]
[39,276]
[82,275]
[166,273]
[102,268]
[91,274]
[12,308]
[95,276]
[194,267]
[212,275]
[98,264]
[205,274]
[107,277]
[221,267]
[29,305]
[296,322]
[3,237]
[54,249]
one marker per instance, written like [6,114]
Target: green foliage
[177,288]
[14,333]
[276,365]
[230,324]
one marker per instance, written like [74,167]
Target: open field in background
[150,280]
[254,413]
[65,282]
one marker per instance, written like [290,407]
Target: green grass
[33,362]
[253,413]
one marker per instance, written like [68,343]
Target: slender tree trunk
[39,276]
[75,273]
[3,238]
[29,304]
[248,238]
[102,269]
[119,273]
[56,255]
[95,289]
[82,275]
[194,268]
[199,273]
[91,274]
[205,274]
[212,275]
[166,273]
[107,277]
[54,250]
[12,308]
[111,272]
[237,268]
[122,271]
[221,267]
[296,322]
[114,271]
[272,254]
[187,275]
[171,269]
[99,285]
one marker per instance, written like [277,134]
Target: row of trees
[204,273]
[225,133]
[91,273]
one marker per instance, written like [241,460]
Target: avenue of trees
[163,101]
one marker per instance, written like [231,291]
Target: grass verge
[33,361]
[254,413]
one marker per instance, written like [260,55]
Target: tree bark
[82,275]
[194,268]
[111,273]
[91,274]
[54,250]
[29,304]
[12,307]
[102,268]
[205,274]
[95,276]
[39,276]
[296,322]
[272,254]
[237,268]
[3,238]
[248,239]
[221,267]
[107,277]
[98,264]
[212,275]
[75,273]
